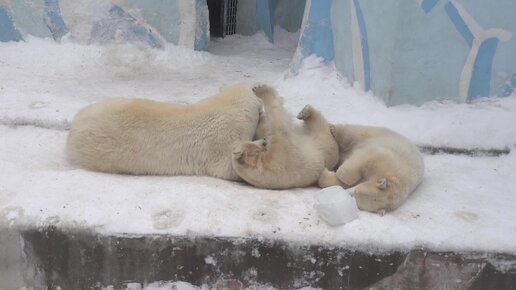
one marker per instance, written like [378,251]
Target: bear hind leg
[314,121]
[262,129]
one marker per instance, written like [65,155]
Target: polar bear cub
[135,136]
[291,155]
[382,166]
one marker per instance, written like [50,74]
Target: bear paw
[305,113]
[261,89]
[262,143]
[250,148]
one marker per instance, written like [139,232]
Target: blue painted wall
[54,20]
[163,15]
[153,22]
[38,18]
[202,31]
[122,26]
[422,50]
[265,17]
[317,36]
[30,18]
[7,30]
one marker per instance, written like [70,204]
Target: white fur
[291,155]
[147,137]
[382,166]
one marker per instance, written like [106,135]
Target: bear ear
[382,183]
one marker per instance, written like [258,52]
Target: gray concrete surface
[52,258]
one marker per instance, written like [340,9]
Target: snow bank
[464,203]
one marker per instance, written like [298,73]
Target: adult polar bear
[147,137]
[382,166]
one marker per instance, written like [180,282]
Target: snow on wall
[420,50]
[180,22]
[316,34]
[403,51]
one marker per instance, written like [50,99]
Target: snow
[335,205]
[187,286]
[464,203]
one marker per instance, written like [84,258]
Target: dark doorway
[222,17]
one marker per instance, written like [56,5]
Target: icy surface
[464,203]
[335,206]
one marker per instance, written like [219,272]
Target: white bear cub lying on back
[291,155]
[147,137]
[382,166]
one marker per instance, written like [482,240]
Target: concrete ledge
[71,259]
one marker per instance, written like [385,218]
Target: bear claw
[305,113]
[333,130]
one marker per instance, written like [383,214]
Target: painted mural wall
[182,22]
[413,51]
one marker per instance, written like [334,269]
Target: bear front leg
[262,129]
[268,95]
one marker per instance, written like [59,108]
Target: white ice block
[335,205]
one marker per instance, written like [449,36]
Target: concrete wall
[289,14]
[246,17]
[413,51]
[53,258]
